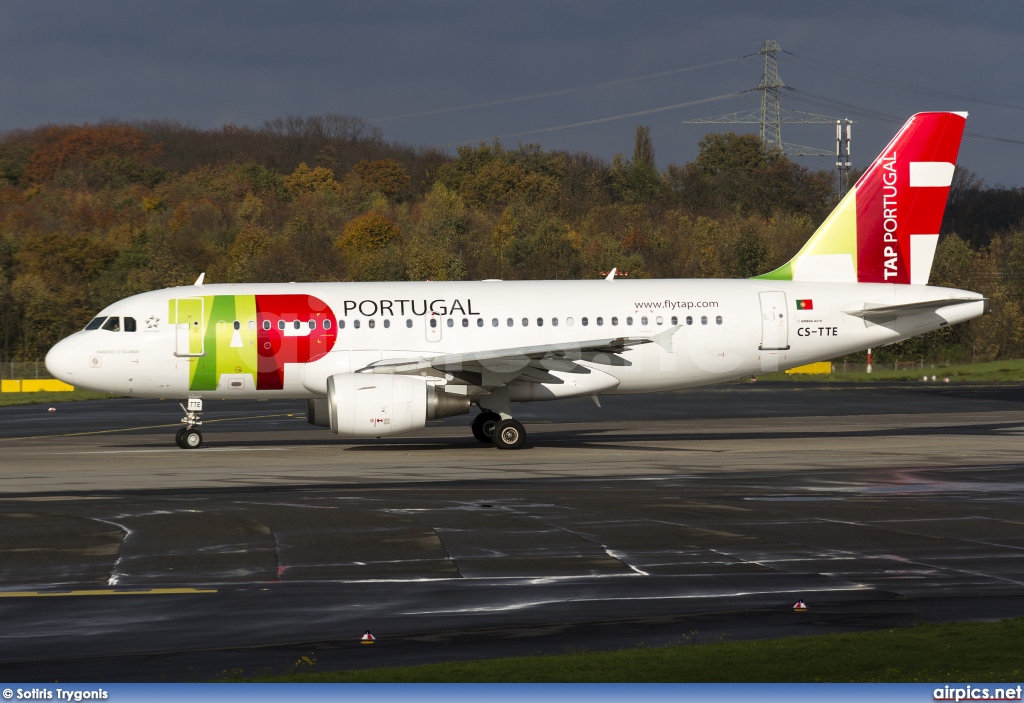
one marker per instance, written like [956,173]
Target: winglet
[199,281]
[611,275]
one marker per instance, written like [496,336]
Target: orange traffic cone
[367,638]
[799,607]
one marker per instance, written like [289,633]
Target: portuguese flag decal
[807,304]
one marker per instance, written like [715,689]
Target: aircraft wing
[500,366]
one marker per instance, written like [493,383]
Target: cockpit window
[95,323]
[113,324]
[129,324]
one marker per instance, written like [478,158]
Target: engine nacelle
[375,405]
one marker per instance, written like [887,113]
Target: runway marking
[145,427]
[160,451]
[104,592]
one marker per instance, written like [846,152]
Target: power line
[944,76]
[564,91]
[867,78]
[822,101]
[602,120]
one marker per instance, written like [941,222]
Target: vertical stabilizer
[887,227]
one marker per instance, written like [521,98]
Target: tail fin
[887,227]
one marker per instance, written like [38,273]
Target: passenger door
[774,321]
[190,327]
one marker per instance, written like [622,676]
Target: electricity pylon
[772,115]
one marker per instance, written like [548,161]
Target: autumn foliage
[93,213]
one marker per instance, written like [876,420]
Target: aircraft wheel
[483,426]
[509,434]
[191,439]
[179,438]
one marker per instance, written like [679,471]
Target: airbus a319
[378,359]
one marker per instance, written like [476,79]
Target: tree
[305,180]
[384,176]
[368,232]
[719,153]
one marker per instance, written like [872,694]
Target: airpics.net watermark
[55,694]
[977,693]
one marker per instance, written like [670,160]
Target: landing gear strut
[189,437]
[483,426]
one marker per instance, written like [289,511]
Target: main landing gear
[189,437]
[489,427]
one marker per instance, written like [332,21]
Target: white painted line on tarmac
[168,450]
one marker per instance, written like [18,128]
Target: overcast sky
[210,63]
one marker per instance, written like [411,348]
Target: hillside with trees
[93,213]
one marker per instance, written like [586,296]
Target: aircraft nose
[60,360]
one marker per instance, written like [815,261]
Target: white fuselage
[714,331]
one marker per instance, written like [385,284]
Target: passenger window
[266,324]
[568,321]
[312,324]
[659,320]
[629,320]
[237,325]
[433,323]
[113,324]
[465,322]
[129,324]
[584,321]
[494,322]
[526,322]
[480,322]
[510,323]
[643,321]
[554,322]
[371,324]
[95,323]
[408,322]
[341,324]
[355,324]
[703,319]
[327,324]
[600,321]
[718,320]
[280,324]
[540,321]
[387,324]
[297,325]
[689,320]
[451,322]
[252,325]
[615,321]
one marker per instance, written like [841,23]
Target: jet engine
[375,405]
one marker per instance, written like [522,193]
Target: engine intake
[376,405]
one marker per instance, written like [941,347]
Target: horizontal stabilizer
[890,311]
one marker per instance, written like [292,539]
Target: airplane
[380,359]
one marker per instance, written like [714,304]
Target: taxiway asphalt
[664,518]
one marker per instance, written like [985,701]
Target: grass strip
[990,651]
[1010,370]
[50,398]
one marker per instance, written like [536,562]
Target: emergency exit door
[189,328]
[433,324]
[774,321]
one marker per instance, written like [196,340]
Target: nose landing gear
[189,437]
